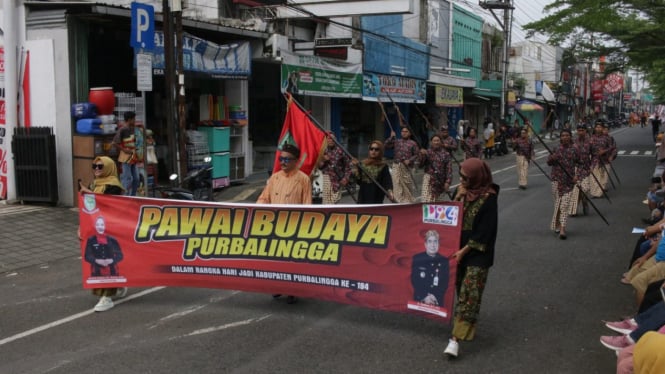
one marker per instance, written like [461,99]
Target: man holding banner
[287,186]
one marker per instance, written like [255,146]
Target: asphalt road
[541,312]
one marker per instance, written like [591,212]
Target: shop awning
[485,92]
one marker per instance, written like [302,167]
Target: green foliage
[629,33]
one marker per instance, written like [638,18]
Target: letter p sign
[143,26]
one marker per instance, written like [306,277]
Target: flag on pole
[300,131]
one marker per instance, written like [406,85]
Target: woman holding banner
[106,182]
[374,166]
[479,195]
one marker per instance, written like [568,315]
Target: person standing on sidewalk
[524,152]
[479,196]
[406,154]
[655,126]
[563,161]
[336,168]
[106,182]
[129,141]
[437,163]
[287,186]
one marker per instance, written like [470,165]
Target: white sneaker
[105,303]
[452,349]
[121,292]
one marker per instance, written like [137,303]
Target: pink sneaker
[624,327]
[616,343]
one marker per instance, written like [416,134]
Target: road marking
[633,153]
[73,317]
[223,327]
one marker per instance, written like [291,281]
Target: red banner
[299,130]
[388,257]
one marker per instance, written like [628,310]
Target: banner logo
[441,214]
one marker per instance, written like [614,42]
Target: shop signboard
[217,61]
[449,96]
[399,89]
[317,76]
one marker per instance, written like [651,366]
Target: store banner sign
[318,76]
[393,257]
[449,96]
[219,61]
[400,89]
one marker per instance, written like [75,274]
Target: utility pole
[169,77]
[180,88]
[506,26]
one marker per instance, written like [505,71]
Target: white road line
[648,153]
[73,317]
[621,152]
[223,327]
[634,152]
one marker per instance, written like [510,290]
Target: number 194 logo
[441,214]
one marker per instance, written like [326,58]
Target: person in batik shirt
[471,145]
[405,156]
[582,172]
[600,149]
[336,168]
[437,163]
[563,161]
[523,154]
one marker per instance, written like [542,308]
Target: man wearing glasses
[287,186]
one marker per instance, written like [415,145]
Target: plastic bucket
[103,98]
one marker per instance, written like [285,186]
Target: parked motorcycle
[197,185]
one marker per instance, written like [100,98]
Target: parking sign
[143,26]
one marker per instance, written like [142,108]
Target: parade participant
[405,156]
[287,186]
[582,172]
[106,182]
[129,141]
[524,152]
[563,161]
[612,153]
[375,166]
[471,145]
[447,142]
[488,135]
[336,168]
[429,272]
[479,195]
[600,146]
[437,163]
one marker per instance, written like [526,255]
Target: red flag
[26,92]
[300,131]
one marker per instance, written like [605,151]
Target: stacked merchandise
[197,149]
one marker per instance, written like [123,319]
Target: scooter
[198,185]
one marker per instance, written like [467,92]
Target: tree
[629,33]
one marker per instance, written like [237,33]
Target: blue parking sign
[143,26]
